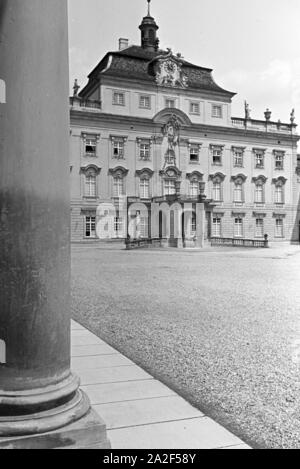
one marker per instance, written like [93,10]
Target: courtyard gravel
[220,327]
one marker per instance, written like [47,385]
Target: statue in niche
[171,131]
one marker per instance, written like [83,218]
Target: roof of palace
[136,63]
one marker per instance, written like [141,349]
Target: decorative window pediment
[239,178]
[279,215]
[238,214]
[119,171]
[171,173]
[90,170]
[259,215]
[259,180]
[144,173]
[280,181]
[217,177]
[195,176]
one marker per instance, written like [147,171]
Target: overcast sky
[253,46]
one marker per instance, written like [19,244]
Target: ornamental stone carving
[168,71]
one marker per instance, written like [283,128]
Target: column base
[87,433]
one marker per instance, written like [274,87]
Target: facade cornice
[200,130]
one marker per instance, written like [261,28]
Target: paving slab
[92,350]
[113,375]
[126,391]
[146,411]
[99,361]
[198,433]
[139,411]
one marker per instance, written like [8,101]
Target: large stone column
[38,392]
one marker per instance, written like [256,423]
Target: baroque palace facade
[155,153]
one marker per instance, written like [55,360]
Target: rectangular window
[170,187]
[118,226]
[90,186]
[194,188]
[194,108]
[144,188]
[217,156]
[194,154]
[279,198]
[216,111]
[259,194]
[238,158]
[170,103]
[216,227]
[238,227]
[145,151]
[238,193]
[90,146]
[279,228]
[90,227]
[259,227]
[118,98]
[278,160]
[118,149]
[192,227]
[217,193]
[145,102]
[143,227]
[259,160]
[118,187]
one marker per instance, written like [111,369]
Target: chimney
[123,43]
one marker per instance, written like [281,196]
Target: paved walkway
[139,411]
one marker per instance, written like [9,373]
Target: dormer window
[170,103]
[194,108]
[217,111]
[118,98]
[145,102]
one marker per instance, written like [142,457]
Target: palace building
[156,153]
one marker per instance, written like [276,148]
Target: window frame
[259,234]
[217,115]
[117,102]
[194,112]
[170,100]
[90,223]
[241,225]
[144,97]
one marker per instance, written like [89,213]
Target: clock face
[170,67]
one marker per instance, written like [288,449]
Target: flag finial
[149,1]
